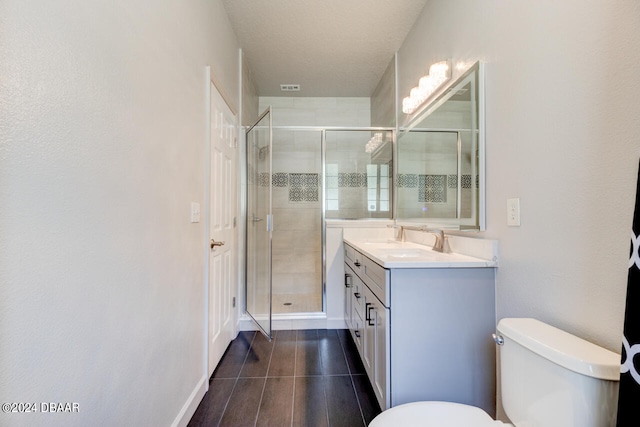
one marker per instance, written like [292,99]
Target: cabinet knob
[357,333]
[356,294]
[357,263]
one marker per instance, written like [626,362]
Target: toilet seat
[435,414]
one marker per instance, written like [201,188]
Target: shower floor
[297,303]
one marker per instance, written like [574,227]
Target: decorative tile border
[280,179]
[432,188]
[263,179]
[408,180]
[466,181]
[303,187]
[353,179]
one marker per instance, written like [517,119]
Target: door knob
[214,243]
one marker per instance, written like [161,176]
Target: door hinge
[233,302]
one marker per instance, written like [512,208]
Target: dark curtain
[629,400]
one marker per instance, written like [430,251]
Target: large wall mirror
[440,179]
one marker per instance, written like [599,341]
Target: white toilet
[549,378]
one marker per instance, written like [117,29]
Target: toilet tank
[550,378]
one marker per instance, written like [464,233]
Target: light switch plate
[195,212]
[513,212]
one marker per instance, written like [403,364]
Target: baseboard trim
[190,406]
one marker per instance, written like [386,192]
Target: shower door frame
[267,331]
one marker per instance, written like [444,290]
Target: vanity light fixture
[374,142]
[439,73]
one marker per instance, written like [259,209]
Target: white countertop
[394,254]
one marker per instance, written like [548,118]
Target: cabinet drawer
[378,279]
[353,259]
[349,253]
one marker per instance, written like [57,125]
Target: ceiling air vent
[290,88]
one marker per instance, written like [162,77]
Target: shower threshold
[291,321]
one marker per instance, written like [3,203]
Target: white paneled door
[222,227]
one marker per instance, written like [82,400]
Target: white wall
[102,149]
[562,105]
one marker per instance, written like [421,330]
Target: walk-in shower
[284,220]
[297,177]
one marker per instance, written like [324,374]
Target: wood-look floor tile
[283,359]
[307,400]
[276,408]
[309,404]
[213,403]
[233,359]
[342,404]
[258,357]
[351,352]
[308,360]
[331,353]
[366,398]
[242,409]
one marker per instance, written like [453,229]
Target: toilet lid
[434,414]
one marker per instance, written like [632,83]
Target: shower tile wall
[318,111]
[297,233]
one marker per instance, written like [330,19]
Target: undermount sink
[382,242]
[406,253]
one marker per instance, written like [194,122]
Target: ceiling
[328,47]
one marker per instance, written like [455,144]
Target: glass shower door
[259,223]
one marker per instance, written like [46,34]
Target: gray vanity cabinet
[423,333]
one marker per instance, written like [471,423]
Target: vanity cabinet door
[348,306]
[353,307]
[379,316]
[375,345]
[369,336]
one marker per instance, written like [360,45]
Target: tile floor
[301,378]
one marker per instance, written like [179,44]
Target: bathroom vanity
[422,321]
